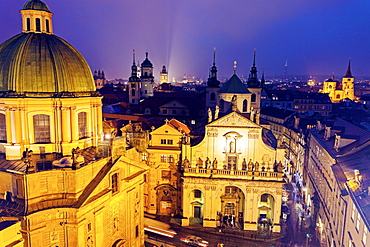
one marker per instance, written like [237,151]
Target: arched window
[145,74]
[28,24]
[338,96]
[38,25]
[41,127]
[245,105]
[213,96]
[2,128]
[82,122]
[253,99]
[133,92]
[47,26]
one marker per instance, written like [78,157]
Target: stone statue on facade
[186,163]
[244,165]
[214,164]
[209,115]
[27,160]
[200,163]
[234,103]
[217,111]
[207,163]
[257,166]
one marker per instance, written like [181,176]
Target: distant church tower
[147,78]
[348,84]
[254,86]
[134,84]
[163,76]
[99,78]
[213,85]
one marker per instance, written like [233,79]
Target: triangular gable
[234,120]
[166,127]
[173,103]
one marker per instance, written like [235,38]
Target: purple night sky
[316,37]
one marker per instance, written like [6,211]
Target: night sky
[316,37]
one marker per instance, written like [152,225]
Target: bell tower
[348,84]
[213,85]
[134,83]
[254,86]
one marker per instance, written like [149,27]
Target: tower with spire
[163,76]
[348,84]
[134,83]
[147,78]
[255,85]
[213,85]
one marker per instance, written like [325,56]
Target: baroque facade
[232,176]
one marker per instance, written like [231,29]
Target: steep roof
[234,85]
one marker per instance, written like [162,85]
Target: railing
[239,174]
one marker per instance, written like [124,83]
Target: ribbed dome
[36,5]
[43,63]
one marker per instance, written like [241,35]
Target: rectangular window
[137,231]
[163,141]
[2,128]
[82,122]
[170,159]
[144,156]
[174,111]
[114,182]
[41,125]
[364,236]
[163,158]
[358,221]
[164,111]
[197,194]
[170,142]
[89,227]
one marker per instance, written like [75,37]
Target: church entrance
[266,206]
[232,202]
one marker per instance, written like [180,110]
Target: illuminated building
[163,76]
[141,86]
[335,196]
[233,174]
[338,91]
[62,183]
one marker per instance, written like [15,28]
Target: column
[18,125]
[66,126]
[74,124]
[99,120]
[9,127]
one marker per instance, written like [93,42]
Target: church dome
[42,63]
[146,63]
[36,5]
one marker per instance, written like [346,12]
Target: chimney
[296,122]
[337,142]
[327,132]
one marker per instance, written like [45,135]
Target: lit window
[197,194]
[2,128]
[170,159]
[358,221]
[82,125]
[144,156]
[114,182]
[364,235]
[41,126]
[163,158]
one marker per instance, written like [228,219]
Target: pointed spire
[349,73]
[212,79]
[263,79]
[235,63]
[253,81]
[133,57]
[146,55]
[214,56]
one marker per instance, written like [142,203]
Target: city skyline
[315,38]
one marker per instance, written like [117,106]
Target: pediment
[173,104]
[234,119]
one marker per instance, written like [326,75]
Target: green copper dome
[36,5]
[42,63]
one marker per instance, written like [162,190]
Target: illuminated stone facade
[339,91]
[233,175]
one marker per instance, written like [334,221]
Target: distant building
[339,91]
[163,76]
[99,78]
